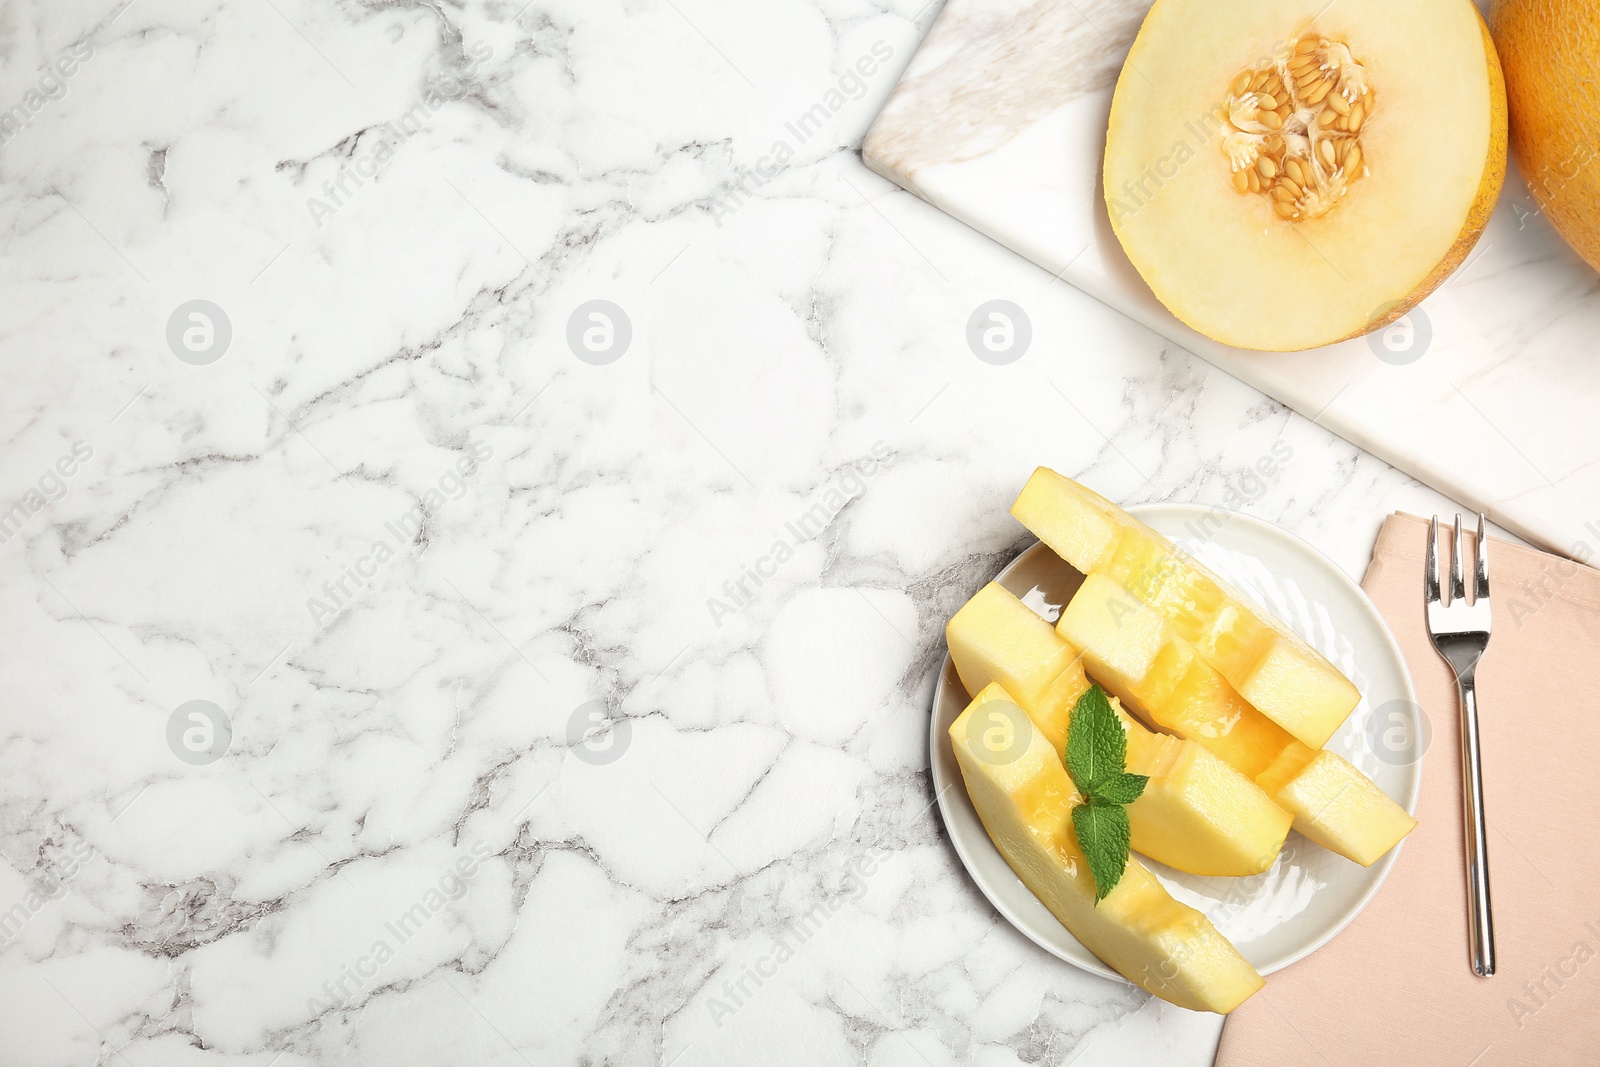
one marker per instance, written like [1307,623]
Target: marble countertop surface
[482,488]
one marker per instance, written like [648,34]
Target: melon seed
[1316,90]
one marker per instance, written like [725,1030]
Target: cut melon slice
[1079,525]
[990,642]
[1134,653]
[1341,809]
[1197,813]
[1289,173]
[1164,947]
[1269,664]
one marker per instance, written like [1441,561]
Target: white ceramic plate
[1310,894]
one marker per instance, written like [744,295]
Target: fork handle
[1481,913]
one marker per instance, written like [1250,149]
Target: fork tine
[1430,571]
[1481,590]
[1458,588]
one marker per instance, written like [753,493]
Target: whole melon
[1550,51]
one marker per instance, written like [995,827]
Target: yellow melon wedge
[1079,525]
[1342,810]
[1269,664]
[1197,813]
[1285,174]
[1164,947]
[1135,654]
[992,641]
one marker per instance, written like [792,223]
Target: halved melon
[1285,174]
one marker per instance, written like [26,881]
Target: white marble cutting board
[1000,121]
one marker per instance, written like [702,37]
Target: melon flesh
[1228,265]
[1270,665]
[1164,947]
[990,643]
[1135,654]
[1197,813]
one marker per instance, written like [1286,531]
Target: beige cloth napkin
[1396,986]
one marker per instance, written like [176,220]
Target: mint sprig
[1097,758]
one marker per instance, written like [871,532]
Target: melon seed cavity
[1292,127]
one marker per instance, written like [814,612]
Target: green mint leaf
[1097,748]
[1103,837]
[1123,789]
[1096,759]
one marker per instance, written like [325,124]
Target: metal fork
[1460,633]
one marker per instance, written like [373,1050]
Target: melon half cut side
[1285,174]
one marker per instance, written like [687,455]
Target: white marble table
[404,542]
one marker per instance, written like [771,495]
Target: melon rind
[1551,53]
